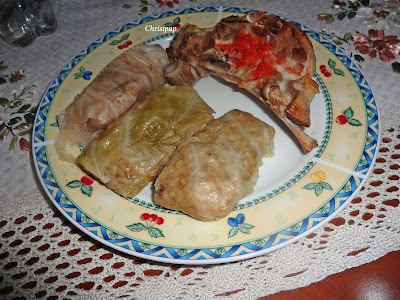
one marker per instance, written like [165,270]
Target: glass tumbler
[21,21]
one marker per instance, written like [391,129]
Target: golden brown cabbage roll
[123,81]
[210,172]
[132,151]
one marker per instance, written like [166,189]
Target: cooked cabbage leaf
[123,81]
[210,172]
[132,151]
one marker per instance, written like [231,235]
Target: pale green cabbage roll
[132,151]
[210,172]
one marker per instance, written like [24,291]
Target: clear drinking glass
[21,21]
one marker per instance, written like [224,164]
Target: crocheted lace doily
[43,255]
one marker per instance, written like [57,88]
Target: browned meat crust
[271,58]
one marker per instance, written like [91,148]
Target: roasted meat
[271,58]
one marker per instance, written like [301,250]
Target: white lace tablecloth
[43,256]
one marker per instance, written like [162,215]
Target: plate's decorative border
[371,107]
[203,255]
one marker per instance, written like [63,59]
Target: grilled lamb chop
[271,58]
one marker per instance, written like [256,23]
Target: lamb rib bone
[270,57]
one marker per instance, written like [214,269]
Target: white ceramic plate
[295,194]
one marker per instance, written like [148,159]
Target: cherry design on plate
[149,221]
[122,43]
[341,119]
[325,71]
[87,180]
[125,45]
[331,69]
[151,218]
[347,117]
[85,184]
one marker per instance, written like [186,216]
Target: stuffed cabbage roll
[123,81]
[132,151]
[210,172]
